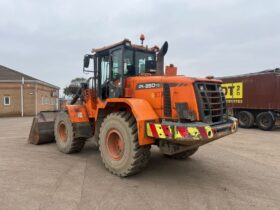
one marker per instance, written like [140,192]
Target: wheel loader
[131,102]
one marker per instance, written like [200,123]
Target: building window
[52,101]
[7,100]
[46,100]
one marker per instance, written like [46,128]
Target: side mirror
[86,60]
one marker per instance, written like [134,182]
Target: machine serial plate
[148,85]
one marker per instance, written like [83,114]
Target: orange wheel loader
[130,103]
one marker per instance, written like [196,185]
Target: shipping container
[254,98]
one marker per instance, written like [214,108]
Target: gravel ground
[241,171]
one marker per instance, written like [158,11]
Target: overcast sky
[47,39]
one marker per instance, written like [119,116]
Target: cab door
[116,73]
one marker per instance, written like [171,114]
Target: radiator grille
[167,100]
[211,101]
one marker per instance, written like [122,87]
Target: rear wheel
[182,155]
[118,144]
[64,135]
[265,121]
[246,119]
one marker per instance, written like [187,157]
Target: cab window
[140,61]
[129,68]
[104,64]
[116,64]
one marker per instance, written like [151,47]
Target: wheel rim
[265,121]
[115,144]
[62,131]
[244,119]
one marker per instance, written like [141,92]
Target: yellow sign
[233,90]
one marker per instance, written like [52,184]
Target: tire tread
[141,154]
[77,144]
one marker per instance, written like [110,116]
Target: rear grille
[212,103]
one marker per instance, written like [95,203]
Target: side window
[129,68]
[141,65]
[104,65]
[116,64]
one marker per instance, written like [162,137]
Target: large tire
[118,144]
[265,121]
[182,155]
[97,131]
[64,135]
[246,119]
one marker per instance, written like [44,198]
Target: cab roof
[126,42]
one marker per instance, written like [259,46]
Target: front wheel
[118,144]
[64,135]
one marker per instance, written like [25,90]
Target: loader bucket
[42,129]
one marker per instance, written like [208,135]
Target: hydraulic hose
[80,91]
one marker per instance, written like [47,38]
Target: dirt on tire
[64,135]
[134,157]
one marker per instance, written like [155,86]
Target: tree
[73,87]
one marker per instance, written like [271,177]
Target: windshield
[140,61]
[135,62]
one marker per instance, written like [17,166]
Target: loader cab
[113,64]
[109,73]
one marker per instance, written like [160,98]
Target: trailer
[254,98]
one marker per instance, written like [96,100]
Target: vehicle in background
[254,98]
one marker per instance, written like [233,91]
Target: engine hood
[157,89]
[170,79]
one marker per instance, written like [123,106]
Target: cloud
[47,39]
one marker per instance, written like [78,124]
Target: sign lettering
[233,92]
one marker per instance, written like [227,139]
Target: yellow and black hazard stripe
[160,131]
[196,133]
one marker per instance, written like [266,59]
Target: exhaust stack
[160,58]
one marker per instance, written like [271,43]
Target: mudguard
[142,112]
